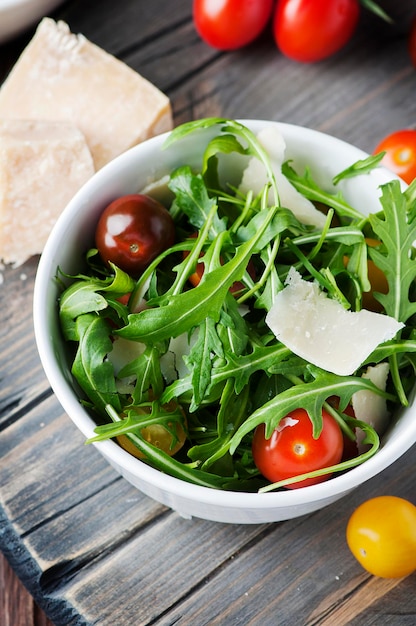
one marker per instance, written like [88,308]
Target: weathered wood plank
[335,97]
[16,605]
[20,369]
[190,552]
[301,572]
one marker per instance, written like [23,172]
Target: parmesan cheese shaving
[370,407]
[322,332]
[172,364]
[255,178]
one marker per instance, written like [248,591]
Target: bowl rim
[336,486]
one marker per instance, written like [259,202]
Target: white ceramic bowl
[17,15]
[73,233]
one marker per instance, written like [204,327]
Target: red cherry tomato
[236,288]
[195,278]
[400,157]
[292,449]
[132,231]
[124,299]
[311,30]
[230,24]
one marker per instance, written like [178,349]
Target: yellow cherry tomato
[381,534]
[157,435]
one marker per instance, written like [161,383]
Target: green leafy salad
[184,361]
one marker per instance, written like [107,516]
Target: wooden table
[88,546]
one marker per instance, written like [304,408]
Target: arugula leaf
[231,414]
[308,188]
[192,197]
[225,144]
[93,372]
[396,258]
[200,359]
[348,235]
[390,348]
[80,298]
[185,310]
[283,220]
[85,296]
[182,131]
[232,329]
[358,265]
[146,369]
[273,283]
[375,8]
[363,166]
[136,418]
[241,368]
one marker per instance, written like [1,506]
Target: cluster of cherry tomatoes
[304,30]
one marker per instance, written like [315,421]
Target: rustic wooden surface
[89,547]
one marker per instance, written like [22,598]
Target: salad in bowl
[233,317]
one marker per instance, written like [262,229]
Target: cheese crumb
[321,331]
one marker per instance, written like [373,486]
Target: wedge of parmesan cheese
[255,177]
[62,76]
[42,165]
[321,331]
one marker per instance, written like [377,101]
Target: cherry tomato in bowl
[292,450]
[231,24]
[400,157]
[312,30]
[132,231]
[168,437]
[381,534]
[158,436]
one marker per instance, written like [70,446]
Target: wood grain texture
[90,548]
[17,607]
